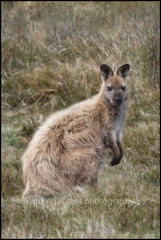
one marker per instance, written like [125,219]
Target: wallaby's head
[114,91]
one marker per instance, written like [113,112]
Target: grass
[51,52]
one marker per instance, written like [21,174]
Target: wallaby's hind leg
[27,193]
[39,191]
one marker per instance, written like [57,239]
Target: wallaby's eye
[109,88]
[123,88]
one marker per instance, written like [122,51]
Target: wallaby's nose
[118,99]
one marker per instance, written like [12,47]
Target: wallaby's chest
[113,126]
[118,122]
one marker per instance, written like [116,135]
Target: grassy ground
[51,52]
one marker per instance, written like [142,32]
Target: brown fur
[70,147]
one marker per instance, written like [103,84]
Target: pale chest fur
[118,123]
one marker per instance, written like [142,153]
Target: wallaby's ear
[123,71]
[105,71]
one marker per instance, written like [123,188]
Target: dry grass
[51,52]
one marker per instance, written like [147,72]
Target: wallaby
[70,147]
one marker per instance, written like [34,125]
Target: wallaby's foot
[94,183]
[38,193]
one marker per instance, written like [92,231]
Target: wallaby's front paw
[114,162]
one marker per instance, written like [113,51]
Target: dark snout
[117,99]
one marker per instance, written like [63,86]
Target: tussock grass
[51,52]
